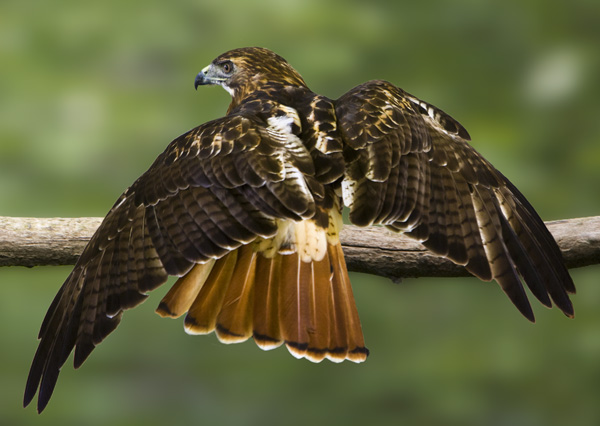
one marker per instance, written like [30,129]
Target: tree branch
[59,241]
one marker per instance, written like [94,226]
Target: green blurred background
[91,92]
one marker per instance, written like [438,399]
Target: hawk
[247,209]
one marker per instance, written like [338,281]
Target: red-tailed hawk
[246,210]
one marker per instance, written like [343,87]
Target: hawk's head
[241,71]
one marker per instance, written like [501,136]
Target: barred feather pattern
[213,190]
[436,188]
[246,211]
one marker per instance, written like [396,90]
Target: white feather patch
[304,237]
[283,123]
[311,241]
[348,190]
[336,222]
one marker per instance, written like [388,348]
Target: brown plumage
[246,210]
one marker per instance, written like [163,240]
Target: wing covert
[409,167]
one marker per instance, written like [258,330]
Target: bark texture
[59,241]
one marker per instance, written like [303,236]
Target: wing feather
[214,189]
[445,194]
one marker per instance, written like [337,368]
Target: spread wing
[214,189]
[409,167]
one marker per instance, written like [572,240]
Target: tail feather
[320,334]
[275,296]
[202,315]
[294,318]
[180,297]
[234,321]
[267,334]
[350,342]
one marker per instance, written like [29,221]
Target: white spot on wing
[348,189]
[122,201]
[283,123]
[281,126]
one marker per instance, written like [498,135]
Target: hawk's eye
[227,67]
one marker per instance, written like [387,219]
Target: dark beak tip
[199,80]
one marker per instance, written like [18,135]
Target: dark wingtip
[33,380]
[567,308]
[47,388]
[531,318]
[30,394]
[82,352]
[569,285]
[42,403]
[524,307]
[28,397]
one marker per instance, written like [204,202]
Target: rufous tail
[299,295]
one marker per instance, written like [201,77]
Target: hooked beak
[203,79]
